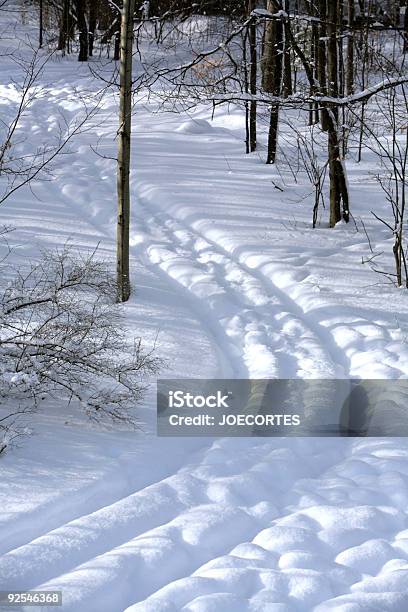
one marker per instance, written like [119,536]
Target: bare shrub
[62,336]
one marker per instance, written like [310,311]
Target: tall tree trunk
[365,49]
[83,30]
[273,63]
[338,183]
[275,70]
[314,107]
[287,88]
[349,69]
[273,135]
[350,48]
[124,150]
[117,36]
[246,89]
[340,50]
[342,75]
[253,78]
[93,12]
[40,38]
[64,27]
[322,58]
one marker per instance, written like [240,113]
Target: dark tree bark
[65,26]
[365,50]
[287,87]
[40,38]
[314,108]
[272,73]
[350,48]
[333,90]
[338,184]
[93,12]
[253,73]
[322,58]
[246,88]
[124,150]
[116,53]
[83,30]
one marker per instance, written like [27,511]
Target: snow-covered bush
[63,336]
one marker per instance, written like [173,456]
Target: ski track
[200,521]
[252,310]
[157,527]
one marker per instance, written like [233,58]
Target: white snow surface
[228,272]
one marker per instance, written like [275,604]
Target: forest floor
[230,278]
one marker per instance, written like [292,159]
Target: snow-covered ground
[228,273]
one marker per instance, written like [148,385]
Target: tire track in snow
[200,529]
[259,318]
[223,308]
[337,362]
[78,541]
[230,357]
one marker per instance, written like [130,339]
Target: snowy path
[128,521]
[211,527]
[254,313]
[265,283]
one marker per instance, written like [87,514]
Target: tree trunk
[314,54]
[349,69]
[253,78]
[339,196]
[338,183]
[93,11]
[332,126]
[287,88]
[365,48]
[273,135]
[340,50]
[40,38]
[350,48]
[116,52]
[65,27]
[322,58]
[83,31]
[246,89]
[272,75]
[124,150]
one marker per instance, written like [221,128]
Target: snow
[195,126]
[229,274]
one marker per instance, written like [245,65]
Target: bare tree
[124,150]
[309,144]
[387,137]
